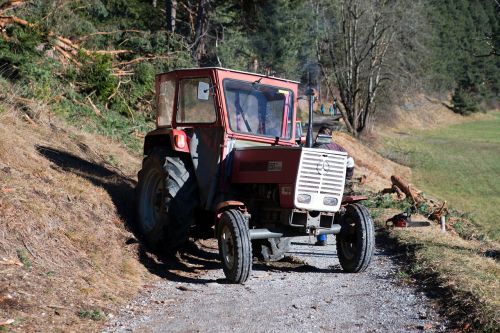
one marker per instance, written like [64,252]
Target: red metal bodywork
[268,165]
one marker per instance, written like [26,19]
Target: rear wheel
[235,248]
[356,241]
[166,199]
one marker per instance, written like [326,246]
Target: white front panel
[321,175]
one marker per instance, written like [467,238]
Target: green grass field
[460,164]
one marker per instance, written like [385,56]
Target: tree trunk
[199,40]
[171,12]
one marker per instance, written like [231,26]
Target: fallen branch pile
[404,190]
[64,46]
[11,5]
[69,50]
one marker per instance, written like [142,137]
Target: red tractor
[225,153]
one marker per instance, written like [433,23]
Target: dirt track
[307,293]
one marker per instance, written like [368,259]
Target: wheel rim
[349,249]
[227,244]
[348,242]
[153,201]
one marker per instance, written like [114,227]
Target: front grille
[321,174]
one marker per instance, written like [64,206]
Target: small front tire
[235,249]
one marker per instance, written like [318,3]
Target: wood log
[101,33]
[11,5]
[95,108]
[62,44]
[399,193]
[5,20]
[388,190]
[67,55]
[110,52]
[405,188]
[141,59]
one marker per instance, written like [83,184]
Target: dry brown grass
[463,270]
[420,112]
[369,163]
[63,210]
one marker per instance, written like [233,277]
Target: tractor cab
[209,112]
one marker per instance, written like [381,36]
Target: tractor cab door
[196,114]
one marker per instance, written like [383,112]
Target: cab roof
[234,71]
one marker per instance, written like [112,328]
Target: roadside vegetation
[460,164]
[94,62]
[461,272]
[66,198]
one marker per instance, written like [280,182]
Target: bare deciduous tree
[357,49]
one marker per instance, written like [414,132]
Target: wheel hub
[227,247]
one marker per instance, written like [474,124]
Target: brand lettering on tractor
[323,167]
[275,166]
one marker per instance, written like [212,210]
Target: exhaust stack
[309,137]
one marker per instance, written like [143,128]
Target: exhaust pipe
[309,137]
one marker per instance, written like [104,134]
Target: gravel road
[306,293]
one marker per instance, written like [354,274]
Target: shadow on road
[186,267]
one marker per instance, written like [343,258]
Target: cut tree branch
[11,5]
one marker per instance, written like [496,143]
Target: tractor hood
[313,179]
[265,165]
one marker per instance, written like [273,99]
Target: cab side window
[196,104]
[166,103]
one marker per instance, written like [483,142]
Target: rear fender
[167,137]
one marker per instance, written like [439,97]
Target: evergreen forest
[94,61]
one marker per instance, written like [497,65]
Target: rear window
[196,104]
[166,103]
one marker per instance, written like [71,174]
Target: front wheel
[235,248]
[356,240]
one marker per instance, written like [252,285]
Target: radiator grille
[321,174]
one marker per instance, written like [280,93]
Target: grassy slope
[461,164]
[461,273]
[65,197]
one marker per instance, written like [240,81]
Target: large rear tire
[166,198]
[356,240]
[235,248]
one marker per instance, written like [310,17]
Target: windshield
[259,109]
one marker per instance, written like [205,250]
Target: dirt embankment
[65,200]
[377,169]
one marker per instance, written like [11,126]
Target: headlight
[304,198]
[329,201]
